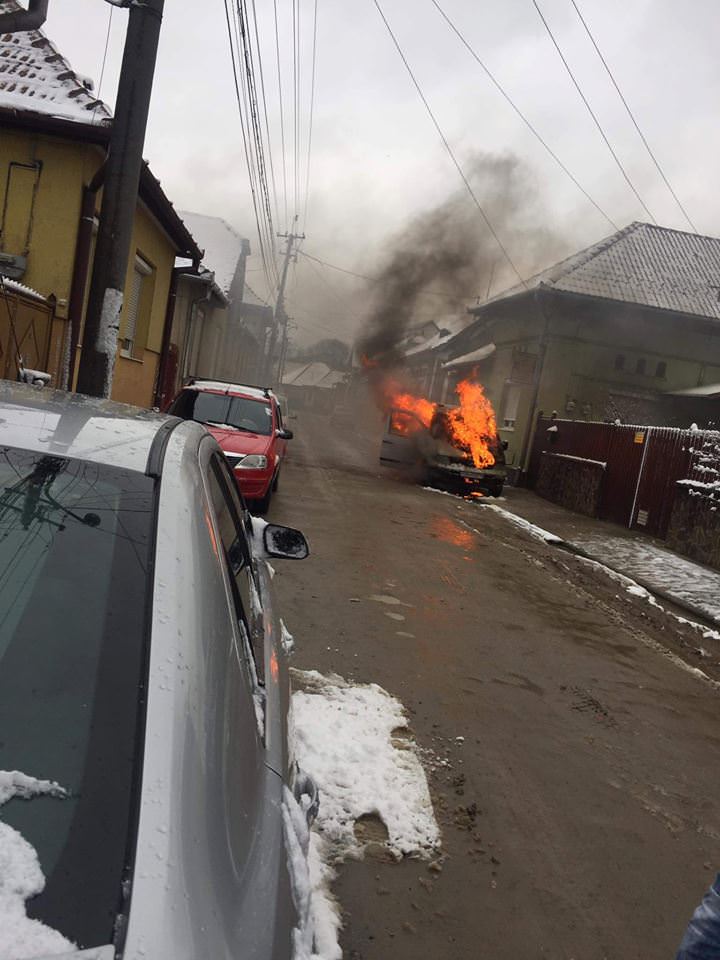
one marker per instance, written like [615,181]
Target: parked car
[427,450]
[247,422]
[144,688]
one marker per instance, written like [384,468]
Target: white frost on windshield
[21,878]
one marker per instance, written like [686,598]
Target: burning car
[457,447]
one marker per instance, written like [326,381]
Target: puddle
[447,530]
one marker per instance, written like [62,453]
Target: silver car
[143,670]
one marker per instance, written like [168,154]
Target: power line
[245,139]
[296,88]
[282,113]
[447,146]
[632,117]
[361,276]
[493,79]
[312,110]
[589,109]
[265,112]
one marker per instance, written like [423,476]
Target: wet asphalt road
[580,814]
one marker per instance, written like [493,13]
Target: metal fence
[643,465]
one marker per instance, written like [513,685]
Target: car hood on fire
[239,441]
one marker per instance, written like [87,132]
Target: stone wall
[572,482]
[695,525]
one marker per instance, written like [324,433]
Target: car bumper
[254,484]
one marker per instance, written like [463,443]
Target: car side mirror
[285,543]
[284,434]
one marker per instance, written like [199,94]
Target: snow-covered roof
[35,77]
[222,244]
[474,357]
[643,264]
[20,288]
[314,374]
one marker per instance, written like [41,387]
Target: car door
[251,783]
[399,444]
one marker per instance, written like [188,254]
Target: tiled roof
[35,77]
[642,264]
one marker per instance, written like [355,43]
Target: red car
[247,423]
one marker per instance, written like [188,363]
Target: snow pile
[286,639]
[537,532]
[21,878]
[343,738]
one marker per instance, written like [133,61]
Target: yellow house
[53,142]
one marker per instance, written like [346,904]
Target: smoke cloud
[447,258]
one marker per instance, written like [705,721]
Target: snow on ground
[21,878]
[524,524]
[659,568]
[352,739]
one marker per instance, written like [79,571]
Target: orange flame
[472,425]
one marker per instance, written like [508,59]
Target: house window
[661,369]
[511,403]
[640,365]
[141,271]
[620,362]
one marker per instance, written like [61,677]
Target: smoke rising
[446,258]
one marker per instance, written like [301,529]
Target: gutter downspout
[159,391]
[17,21]
[81,266]
[542,350]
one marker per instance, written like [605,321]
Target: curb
[707,618]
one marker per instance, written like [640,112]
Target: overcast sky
[376,159]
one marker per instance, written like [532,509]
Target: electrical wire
[265,113]
[447,146]
[590,110]
[102,68]
[632,116]
[312,110]
[282,116]
[493,79]
[296,85]
[246,146]
[361,276]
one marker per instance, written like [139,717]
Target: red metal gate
[643,465]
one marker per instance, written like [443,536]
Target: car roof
[232,389]
[79,427]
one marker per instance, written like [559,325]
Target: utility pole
[119,202]
[280,316]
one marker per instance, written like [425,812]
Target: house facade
[626,330]
[53,142]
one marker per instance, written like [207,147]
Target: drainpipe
[18,21]
[542,350]
[83,246]
[159,392]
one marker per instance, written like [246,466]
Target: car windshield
[75,549]
[235,413]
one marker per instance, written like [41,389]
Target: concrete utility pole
[280,316]
[117,214]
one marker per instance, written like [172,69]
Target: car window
[403,424]
[221,410]
[75,562]
[229,513]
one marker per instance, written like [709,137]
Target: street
[572,766]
